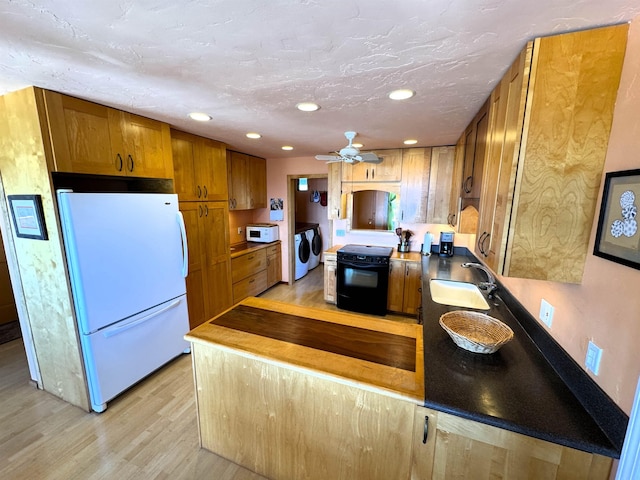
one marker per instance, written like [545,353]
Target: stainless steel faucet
[490,285]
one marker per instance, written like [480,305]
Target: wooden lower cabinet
[405,286]
[458,448]
[274,265]
[330,276]
[287,424]
[255,271]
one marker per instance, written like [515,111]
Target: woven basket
[476,332]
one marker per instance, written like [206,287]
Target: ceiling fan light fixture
[287,147]
[200,116]
[410,141]
[307,106]
[253,135]
[357,145]
[401,94]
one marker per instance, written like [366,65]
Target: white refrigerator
[127,259]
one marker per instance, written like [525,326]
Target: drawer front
[250,286]
[246,265]
[273,250]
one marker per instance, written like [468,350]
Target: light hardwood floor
[149,432]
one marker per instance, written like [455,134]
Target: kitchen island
[292,392]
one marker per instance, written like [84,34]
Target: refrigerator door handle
[185,247]
[116,331]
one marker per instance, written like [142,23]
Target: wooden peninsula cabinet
[90,138]
[449,447]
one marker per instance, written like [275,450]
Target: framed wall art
[28,218]
[617,236]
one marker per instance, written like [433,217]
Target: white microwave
[262,232]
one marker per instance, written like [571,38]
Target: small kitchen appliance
[262,232]
[446,244]
[426,245]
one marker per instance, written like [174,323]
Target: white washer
[315,241]
[302,255]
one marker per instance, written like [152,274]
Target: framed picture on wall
[28,217]
[617,236]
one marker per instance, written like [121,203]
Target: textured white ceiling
[248,62]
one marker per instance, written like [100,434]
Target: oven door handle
[362,265]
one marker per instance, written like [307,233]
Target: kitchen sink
[457,294]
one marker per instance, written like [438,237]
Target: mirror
[374,210]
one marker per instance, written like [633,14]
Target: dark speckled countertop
[529,386]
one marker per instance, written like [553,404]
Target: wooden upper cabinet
[552,154]
[145,145]
[200,167]
[441,171]
[390,170]
[247,180]
[453,216]
[474,153]
[91,138]
[414,189]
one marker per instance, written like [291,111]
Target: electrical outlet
[239,230]
[594,354]
[546,312]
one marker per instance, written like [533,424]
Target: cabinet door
[144,144]
[414,190]
[185,183]
[257,182]
[395,293]
[334,193]
[211,170]
[507,112]
[460,448]
[441,171]
[80,136]
[274,265]
[330,274]
[412,296]
[456,183]
[390,170]
[237,180]
[218,266]
[196,279]
[475,149]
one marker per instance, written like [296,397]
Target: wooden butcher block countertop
[371,353]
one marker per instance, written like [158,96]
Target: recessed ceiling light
[401,94]
[200,117]
[253,135]
[307,106]
[410,142]
[357,145]
[287,147]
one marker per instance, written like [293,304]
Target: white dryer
[315,241]
[303,251]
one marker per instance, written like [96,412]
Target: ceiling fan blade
[328,158]
[370,157]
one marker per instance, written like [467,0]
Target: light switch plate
[594,354]
[546,312]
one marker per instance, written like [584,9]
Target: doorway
[307,208]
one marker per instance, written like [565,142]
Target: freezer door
[122,354]
[124,251]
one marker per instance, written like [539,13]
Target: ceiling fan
[350,154]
